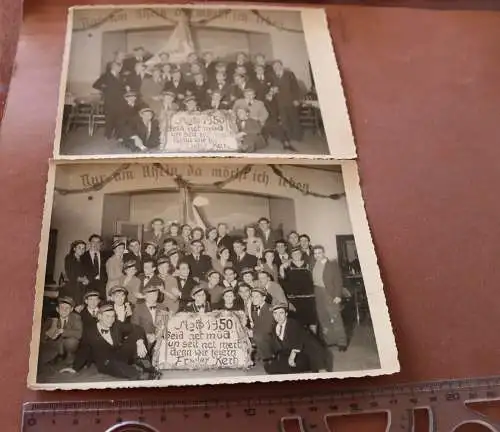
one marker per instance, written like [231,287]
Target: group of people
[142,92]
[114,307]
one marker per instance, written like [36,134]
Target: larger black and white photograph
[141,81]
[179,274]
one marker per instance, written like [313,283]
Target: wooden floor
[10,20]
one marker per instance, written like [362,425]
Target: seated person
[91,309]
[142,132]
[229,301]
[199,303]
[293,348]
[123,308]
[61,336]
[222,86]
[117,349]
[214,287]
[170,289]
[216,101]
[190,104]
[256,108]
[199,89]
[249,132]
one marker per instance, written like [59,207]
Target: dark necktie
[95,263]
[104,331]
[152,308]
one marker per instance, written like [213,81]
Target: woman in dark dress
[75,272]
[299,288]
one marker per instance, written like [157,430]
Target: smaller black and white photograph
[186,80]
[171,275]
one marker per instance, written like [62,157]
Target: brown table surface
[423,91]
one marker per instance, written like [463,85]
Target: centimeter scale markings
[444,400]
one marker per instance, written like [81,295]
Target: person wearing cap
[190,104]
[256,108]
[214,287]
[156,232]
[117,349]
[328,290]
[129,281]
[268,235]
[242,258]
[89,313]
[143,132]
[151,89]
[112,87]
[199,303]
[199,263]
[61,335]
[94,261]
[229,302]
[299,288]
[150,315]
[185,283]
[150,250]
[134,254]
[114,264]
[177,85]
[170,290]
[266,263]
[247,275]
[139,55]
[123,308]
[262,323]
[248,132]
[74,268]
[149,276]
[294,349]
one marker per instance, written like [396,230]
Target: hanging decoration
[274,24]
[99,22]
[183,184]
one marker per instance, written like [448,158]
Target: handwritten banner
[207,131]
[198,341]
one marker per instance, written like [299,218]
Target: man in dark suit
[149,315]
[242,259]
[199,301]
[216,102]
[143,132]
[134,254]
[262,323]
[91,310]
[129,110]
[249,132]
[117,349]
[134,80]
[260,82]
[222,86]
[199,89]
[61,335]
[294,350]
[199,263]
[307,250]
[139,56]
[281,255]
[328,293]
[209,65]
[123,308]
[156,233]
[261,62]
[269,237]
[223,238]
[111,85]
[178,86]
[241,60]
[94,262]
[185,283]
[149,277]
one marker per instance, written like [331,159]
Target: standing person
[209,65]
[260,83]
[247,275]
[281,255]
[110,84]
[261,62]
[174,257]
[243,259]
[61,335]
[245,299]
[89,313]
[262,323]
[241,61]
[149,277]
[274,290]
[168,245]
[134,80]
[230,278]
[74,268]
[170,289]
[166,73]
[223,260]
[294,349]
[117,349]
[94,261]
[267,264]
[224,239]
[139,56]
[134,254]
[328,293]
[199,89]
[199,263]
[185,284]
[151,89]
[114,264]
[156,234]
[210,243]
[299,288]
[254,244]
[293,240]
[197,233]
[185,243]
[174,232]
[168,109]
[214,287]
[307,250]
[275,126]
[268,236]
[288,100]
[130,281]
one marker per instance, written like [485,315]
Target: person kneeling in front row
[294,349]
[117,349]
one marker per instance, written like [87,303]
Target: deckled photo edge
[331,95]
[384,332]
[63,80]
[40,275]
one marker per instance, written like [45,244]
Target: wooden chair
[98,117]
[80,115]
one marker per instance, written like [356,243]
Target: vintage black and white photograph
[184,80]
[176,274]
